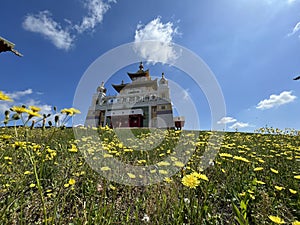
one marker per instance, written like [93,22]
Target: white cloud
[4,106]
[153,41]
[19,98]
[64,37]
[226,120]
[19,94]
[279,2]
[45,108]
[276,100]
[43,23]
[239,125]
[96,11]
[295,30]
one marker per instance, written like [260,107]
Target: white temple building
[142,103]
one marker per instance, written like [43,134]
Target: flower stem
[38,183]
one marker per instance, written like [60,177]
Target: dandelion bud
[50,123]
[49,115]
[54,108]
[24,106]
[6,113]
[16,116]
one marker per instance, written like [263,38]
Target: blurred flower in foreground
[5,97]
[276,219]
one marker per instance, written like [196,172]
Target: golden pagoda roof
[119,87]
[139,73]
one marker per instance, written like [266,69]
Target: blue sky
[252,48]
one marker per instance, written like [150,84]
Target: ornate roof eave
[119,87]
[140,73]
[6,45]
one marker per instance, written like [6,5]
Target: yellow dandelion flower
[75,111]
[66,185]
[28,172]
[5,137]
[106,155]
[297,177]
[178,164]
[163,172]
[241,159]
[33,114]
[34,108]
[276,219]
[128,150]
[168,180]
[258,168]
[32,185]
[260,182]
[112,187]
[132,176]
[162,163]
[293,191]
[173,158]
[200,176]
[105,168]
[19,109]
[67,112]
[141,161]
[73,149]
[279,188]
[153,171]
[225,155]
[224,171]
[242,194]
[274,171]
[72,181]
[190,181]
[250,191]
[296,222]
[5,97]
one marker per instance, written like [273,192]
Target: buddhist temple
[143,102]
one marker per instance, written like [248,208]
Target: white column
[104,124]
[150,115]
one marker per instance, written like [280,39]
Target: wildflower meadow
[48,175]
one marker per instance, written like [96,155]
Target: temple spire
[141,66]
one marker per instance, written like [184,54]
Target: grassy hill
[197,177]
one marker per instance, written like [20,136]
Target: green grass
[38,169]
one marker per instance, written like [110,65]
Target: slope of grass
[45,177]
